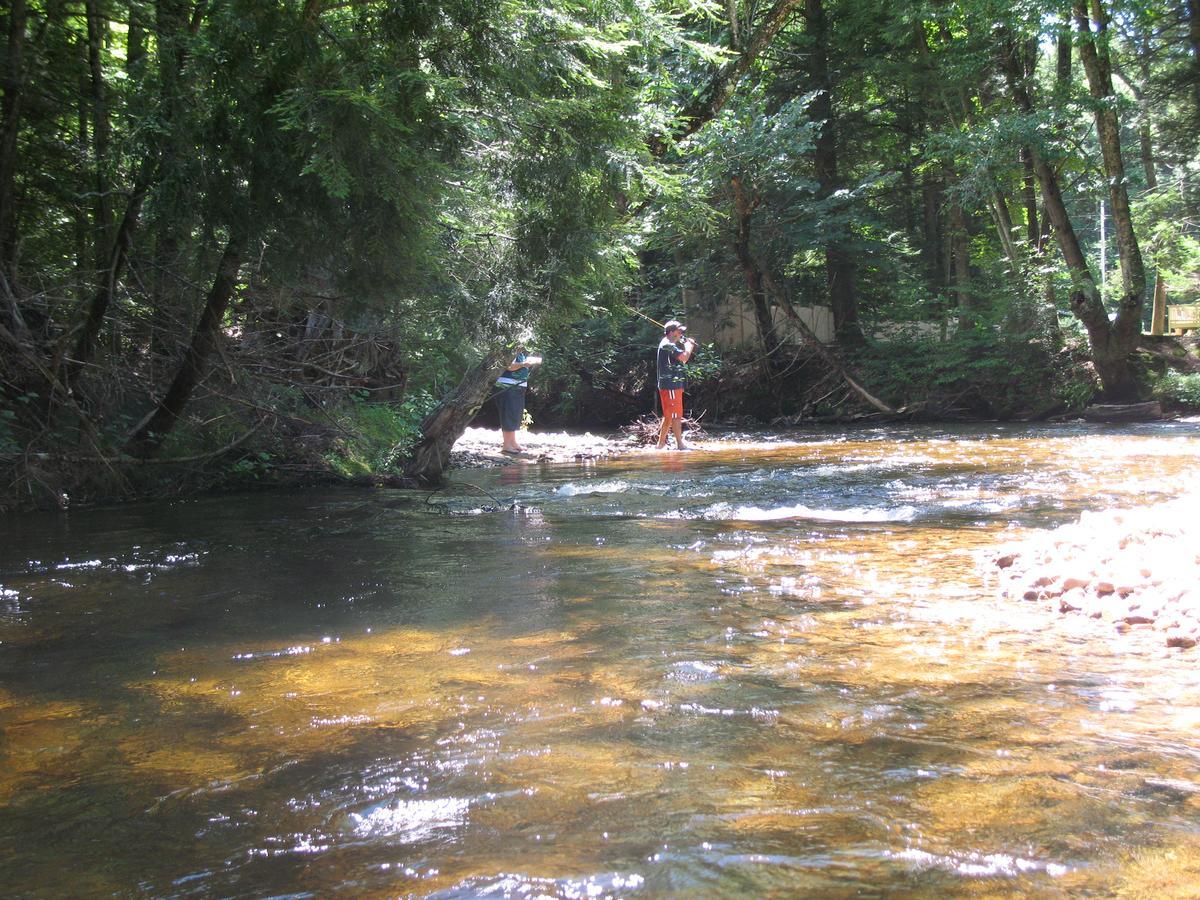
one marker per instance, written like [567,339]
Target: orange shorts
[672,403]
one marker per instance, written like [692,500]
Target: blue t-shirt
[672,373]
[516,377]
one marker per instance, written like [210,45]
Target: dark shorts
[511,403]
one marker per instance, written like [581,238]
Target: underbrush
[262,435]
[1179,390]
[980,373]
[373,437]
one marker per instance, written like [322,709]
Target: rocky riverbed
[480,447]
[1135,568]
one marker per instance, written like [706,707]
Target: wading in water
[674,350]
[510,401]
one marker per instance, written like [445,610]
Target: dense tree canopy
[233,228]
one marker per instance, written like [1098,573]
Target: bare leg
[510,441]
[677,427]
[662,433]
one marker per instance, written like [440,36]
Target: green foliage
[705,365]
[417,180]
[980,371]
[252,468]
[1179,389]
[375,436]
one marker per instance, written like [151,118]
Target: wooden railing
[1183,317]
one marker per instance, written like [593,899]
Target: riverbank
[480,448]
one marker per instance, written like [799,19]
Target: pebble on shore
[480,448]
[1136,568]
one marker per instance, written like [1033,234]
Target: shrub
[1179,389]
[377,434]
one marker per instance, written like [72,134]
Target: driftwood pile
[645,430]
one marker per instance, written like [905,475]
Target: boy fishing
[674,350]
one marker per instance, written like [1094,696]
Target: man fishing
[674,350]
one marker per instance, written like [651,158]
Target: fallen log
[1149,411]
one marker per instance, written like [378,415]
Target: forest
[271,241]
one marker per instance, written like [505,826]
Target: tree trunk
[445,424]
[1093,52]
[1158,315]
[839,264]
[10,125]
[1110,349]
[153,430]
[936,248]
[135,56]
[171,27]
[743,209]
[1033,230]
[960,258]
[97,26]
[931,228]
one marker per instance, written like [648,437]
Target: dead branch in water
[645,430]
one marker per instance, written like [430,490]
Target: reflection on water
[772,669]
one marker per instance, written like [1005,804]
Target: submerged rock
[1136,568]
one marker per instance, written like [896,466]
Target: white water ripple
[587,488]
[726,511]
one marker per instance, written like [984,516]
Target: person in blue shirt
[511,399]
[674,350]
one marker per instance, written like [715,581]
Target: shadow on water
[775,668]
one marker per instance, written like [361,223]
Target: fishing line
[499,503]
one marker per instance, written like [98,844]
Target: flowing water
[778,669]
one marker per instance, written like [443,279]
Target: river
[776,669]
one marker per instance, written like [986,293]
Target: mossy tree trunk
[442,427]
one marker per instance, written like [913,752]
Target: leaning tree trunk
[1111,346]
[442,427]
[713,97]
[110,276]
[839,263]
[743,208]
[153,430]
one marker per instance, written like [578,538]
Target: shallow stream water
[777,669]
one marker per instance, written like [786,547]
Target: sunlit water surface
[776,670]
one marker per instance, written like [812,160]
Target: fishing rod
[636,311]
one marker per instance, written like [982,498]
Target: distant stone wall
[731,323]
[925,331]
